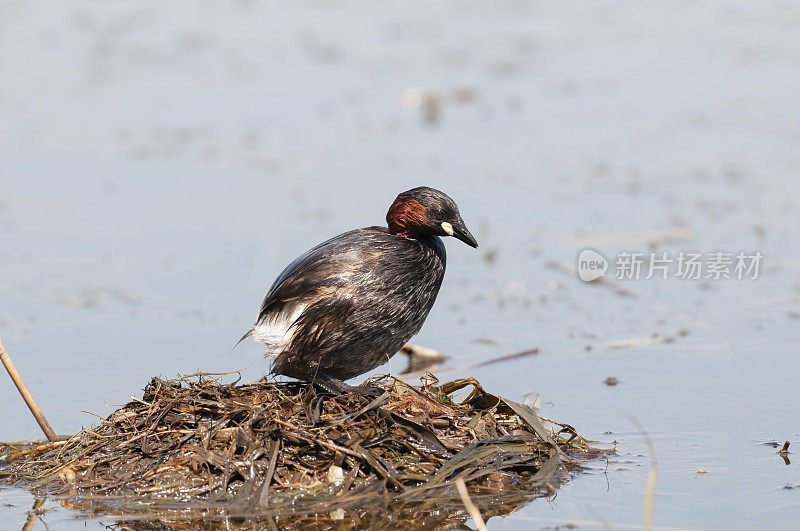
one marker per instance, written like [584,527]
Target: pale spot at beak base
[447,228]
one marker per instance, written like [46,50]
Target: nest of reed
[286,450]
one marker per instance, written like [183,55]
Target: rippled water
[161,163]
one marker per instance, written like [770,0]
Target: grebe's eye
[439,214]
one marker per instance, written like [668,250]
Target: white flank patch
[277,331]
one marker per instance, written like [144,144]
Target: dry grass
[287,452]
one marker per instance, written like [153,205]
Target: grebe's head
[425,211]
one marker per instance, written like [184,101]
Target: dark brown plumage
[347,305]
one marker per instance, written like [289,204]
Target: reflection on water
[372,512]
[161,164]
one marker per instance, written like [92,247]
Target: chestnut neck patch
[407,217]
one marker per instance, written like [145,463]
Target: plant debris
[195,447]
[784,453]
[421,358]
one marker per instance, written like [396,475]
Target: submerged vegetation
[194,447]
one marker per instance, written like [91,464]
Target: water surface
[162,163]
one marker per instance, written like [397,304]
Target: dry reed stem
[26,394]
[473,511]
[649,236]
[650,491]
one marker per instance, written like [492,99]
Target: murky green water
[162,163]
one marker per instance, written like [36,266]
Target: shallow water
[162,163]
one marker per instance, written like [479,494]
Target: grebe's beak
[459,230]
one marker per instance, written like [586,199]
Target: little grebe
[350,303]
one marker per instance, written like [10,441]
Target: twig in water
[785,449]
[651,476]
[421,358]
[506,357]
[784,453]
[473,511]
[498,359]
[26,395]
[33,515]
[649,236]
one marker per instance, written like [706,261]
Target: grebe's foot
[337,387]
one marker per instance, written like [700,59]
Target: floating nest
[197,453]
